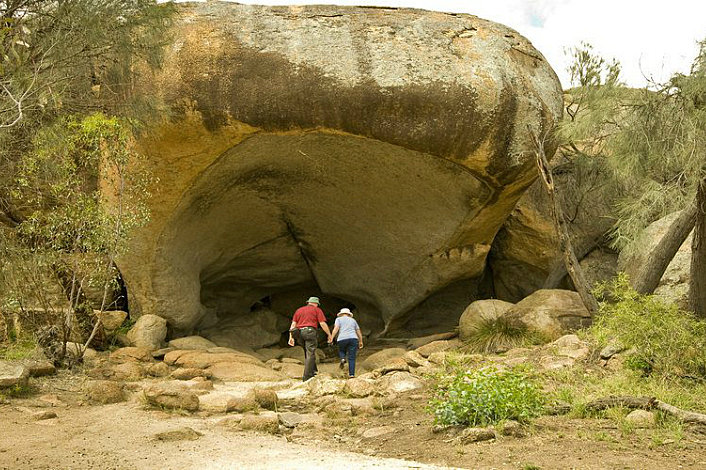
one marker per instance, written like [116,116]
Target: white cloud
[654,38]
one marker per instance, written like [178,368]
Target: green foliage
[486,396]
[17,391]
[500,334]
[663,340]
[23,347]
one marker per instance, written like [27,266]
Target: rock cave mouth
[285,216]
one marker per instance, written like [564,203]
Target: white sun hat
[345,311]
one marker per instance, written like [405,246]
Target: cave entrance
[286,216]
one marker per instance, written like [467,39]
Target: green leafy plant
[662,339]
[486,396]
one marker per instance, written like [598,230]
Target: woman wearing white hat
[350,339]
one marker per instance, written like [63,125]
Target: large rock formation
[366,154]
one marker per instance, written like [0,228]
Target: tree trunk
[697,285]
[663,253]
[572,264]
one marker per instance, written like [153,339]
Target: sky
[651,38]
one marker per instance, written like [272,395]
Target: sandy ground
[120,437]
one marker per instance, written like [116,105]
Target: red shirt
[308,315]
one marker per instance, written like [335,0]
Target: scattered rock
[479,312]
[241,404]
[112,320]
[263,422]
[159,369]
[198,384]
[511,428]
[160,353]
[571,346]
[13,375]
[191,342]
[415,343]
[46,414]
[359,387]
[438,358]
[550,312]
[105,392]
[181,434]
[131,353]
[611,350]
[171,397]
[380,358]
[395,364]
[399,382]
[414,359]
[437,346]
[324,385]
[290,420]
[266,398]
[189,373]
[641,418]
[41,369]
[128,371]
[470,435]
[148,332]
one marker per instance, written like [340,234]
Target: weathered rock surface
[13,375]
[170,396]
[112,320]
[478,312]
[674,284]
[181,434]
[399,382]
[263,422]
[359,387]
[641,418]
[380,358]
[41,368]
[148,332]
[192,342]
[470,435]
[105,391]
[131,354]
[274,144]
[551,312]
[437,346]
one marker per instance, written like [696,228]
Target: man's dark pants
[308,335]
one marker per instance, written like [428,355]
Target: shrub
[663,340]
[486,396]
[500,334]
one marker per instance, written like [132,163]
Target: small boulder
[555,363]
[550,312]
[46,414]
[293,371]
[399,382]
[414,359]
[611,350]
[393,365]
[324,385]
[188,373]
[290,420]
[470,435]
[148,332]
[373,433]
[12,375]
[192,342]
[571,346]
[438,358]
[263,422]
[359,387]
[380,358]
[511,427]
[479,312]
[128,371]
[267,399]
[415,343]
[41,368]
[131,353]
[437,346]
[241,404]
[641,418]
[111,320]
[160,353]
[181,434]
[105,392]
[171,397]
[160,369]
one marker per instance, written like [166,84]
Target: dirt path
[121,437]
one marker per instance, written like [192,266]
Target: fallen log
[682,415]
[642,403]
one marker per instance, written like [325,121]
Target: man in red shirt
[307,319]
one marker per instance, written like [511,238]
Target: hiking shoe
[341,364]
